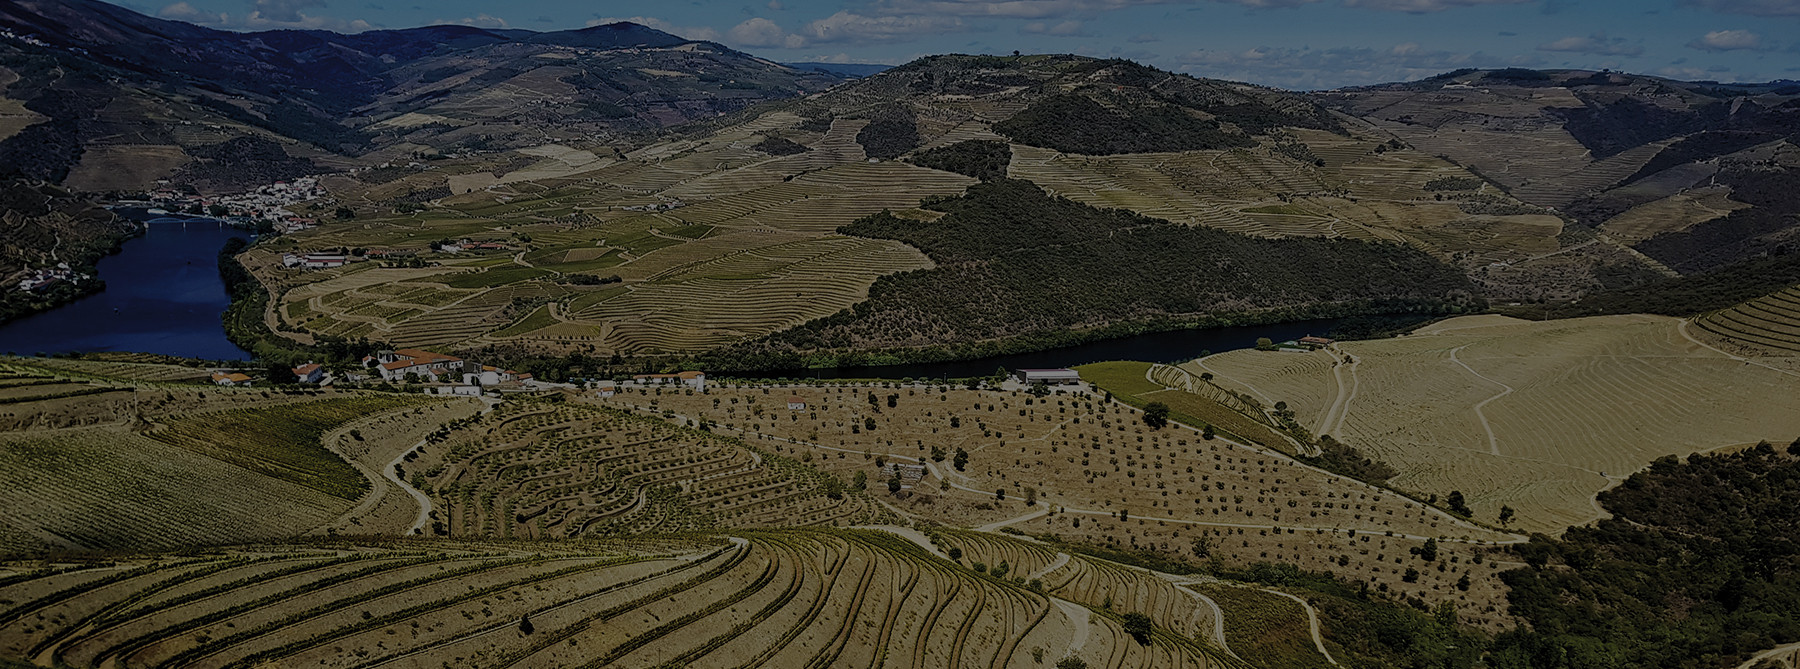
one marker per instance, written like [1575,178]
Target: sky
[1296,44]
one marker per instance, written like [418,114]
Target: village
[264,206]
[48,277]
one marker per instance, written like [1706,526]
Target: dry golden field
[1538,416]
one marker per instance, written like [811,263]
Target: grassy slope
[1127,383]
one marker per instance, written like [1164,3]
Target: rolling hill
[149,92]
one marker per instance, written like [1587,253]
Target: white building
[1048,376]
[695,380]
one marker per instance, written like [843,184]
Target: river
[163,295]
[1168,347]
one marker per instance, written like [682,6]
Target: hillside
[42,226]
[1014,262]
[727,231]
[151,93]
[1695,177]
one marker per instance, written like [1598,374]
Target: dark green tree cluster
[1014,261]
[780,146]
[983,159]
[1075,123]
[891,132]
[1698,567]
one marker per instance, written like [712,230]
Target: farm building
[311,372]
[314,260]
[695,380]
[1310,341]
[796,404]
[606,389]
[909,474]
[1048,376]
[231,379]
[462,391]
[491,376]
[395,365]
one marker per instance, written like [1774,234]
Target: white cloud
[1750,7]
[1063,29]
[478,21]
[269,15]
[685,32]
[1727,40]
[846,26]
[1596,44]
[761,32]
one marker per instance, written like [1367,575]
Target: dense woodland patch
[1699,567]
[1013,260]
[1077,124]
[892,131]
[983,159]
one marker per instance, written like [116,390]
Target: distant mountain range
[846,69]
[89,84]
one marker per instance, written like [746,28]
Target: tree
[525,626]
[894,484]
[938,454]
[1411,575]
[1463,583]
[1506,515]
[869,423]
[1030,496]
[1123,516]
[1206,376]
[1202,546]
[1457,504]
[961,461]
[1156,415]
[1428,552]
[860,481]
[999,494]
[893,401]
[282,375]
[344,213]
[1264,344]
[1071,662]
[834,486]
[1140,627]
[1040,389]
[1207,433]
[954,553]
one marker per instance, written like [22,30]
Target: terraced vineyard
[754,599]
[540,469]
[1769,324]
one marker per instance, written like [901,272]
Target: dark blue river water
[163,295]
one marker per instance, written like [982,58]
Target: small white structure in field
[1055,377]
[231,379]
[695,380]
[796,404]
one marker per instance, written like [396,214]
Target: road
[1493,443]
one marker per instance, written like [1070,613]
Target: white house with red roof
[311,372]
[425,365]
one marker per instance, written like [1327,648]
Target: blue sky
[1290,43]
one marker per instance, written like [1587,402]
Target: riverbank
[163,295]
